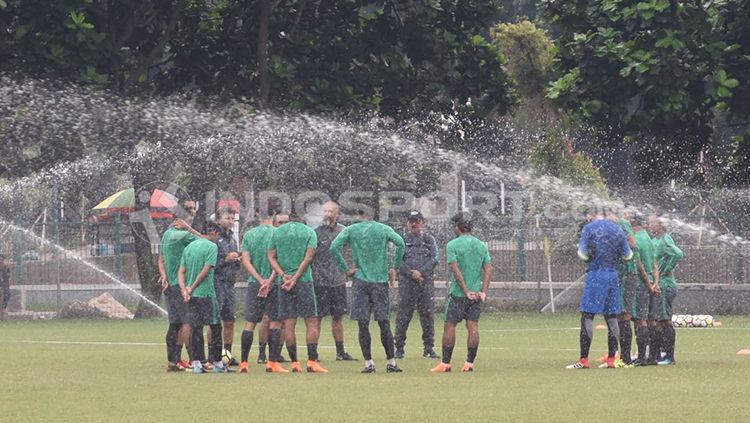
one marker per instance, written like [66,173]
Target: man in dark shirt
[416,287]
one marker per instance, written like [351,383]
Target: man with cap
[416,286]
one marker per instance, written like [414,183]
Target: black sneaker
[393,368]
[173,367]
[233,362]
[369,369]
[399,353]
[345,357]
[430,353]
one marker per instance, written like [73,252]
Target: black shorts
[225,298]
[299,302]
[177,308]
[660,306]
[255,306]
[370,298]
[628,285]
[460,308]
[331,300]
[642,301]
[202,311]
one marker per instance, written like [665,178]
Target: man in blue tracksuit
[416,286]
[602,245]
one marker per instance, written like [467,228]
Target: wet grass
[114,371]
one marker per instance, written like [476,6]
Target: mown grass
[114,371]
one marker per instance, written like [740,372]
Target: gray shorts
[331,300]
[370,298]
[460,308]
[255,306]
[661,306]
[202,311]
[628,286]
[177,308]
[298,302]
[642,301]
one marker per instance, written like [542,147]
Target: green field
[114,371]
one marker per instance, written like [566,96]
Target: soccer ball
[709,320]
[226,357]
[680,320]
[688,320]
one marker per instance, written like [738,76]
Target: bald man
[330,284]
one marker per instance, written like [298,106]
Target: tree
[651,70]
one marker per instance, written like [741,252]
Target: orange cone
[743,351]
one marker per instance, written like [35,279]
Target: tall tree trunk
[264,79]
[144,236]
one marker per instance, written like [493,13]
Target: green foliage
[554,156]
[654,69]
[529,53]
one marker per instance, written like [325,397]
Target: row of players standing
[629,278]
[277,257]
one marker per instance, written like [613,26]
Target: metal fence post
[58,255]
[521,252]
[118,247]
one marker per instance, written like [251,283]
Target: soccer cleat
[666,361]
[173,367]
[275,367]
[441,368]
[232,362]
[207,366]
[603,359]
[219,369]
[296,368]
[468,367]
[393,368]
[580,364]
[244,367]
[369,369]
[314,367]
[345,357]
[184,365]
[199,369]
[399,354]
[430,353]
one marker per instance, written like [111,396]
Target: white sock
[369,363]
[392,361]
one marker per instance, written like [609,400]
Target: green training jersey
[627,266]
[645,251]
[667,255]
[256,242]
[290,241]
[198,254]
[471,255]
[369,244]
[173,242]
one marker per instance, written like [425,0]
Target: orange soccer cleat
[441,368]
[244,367]
[275,367]
[314,367]
[296,368]
[468,367]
